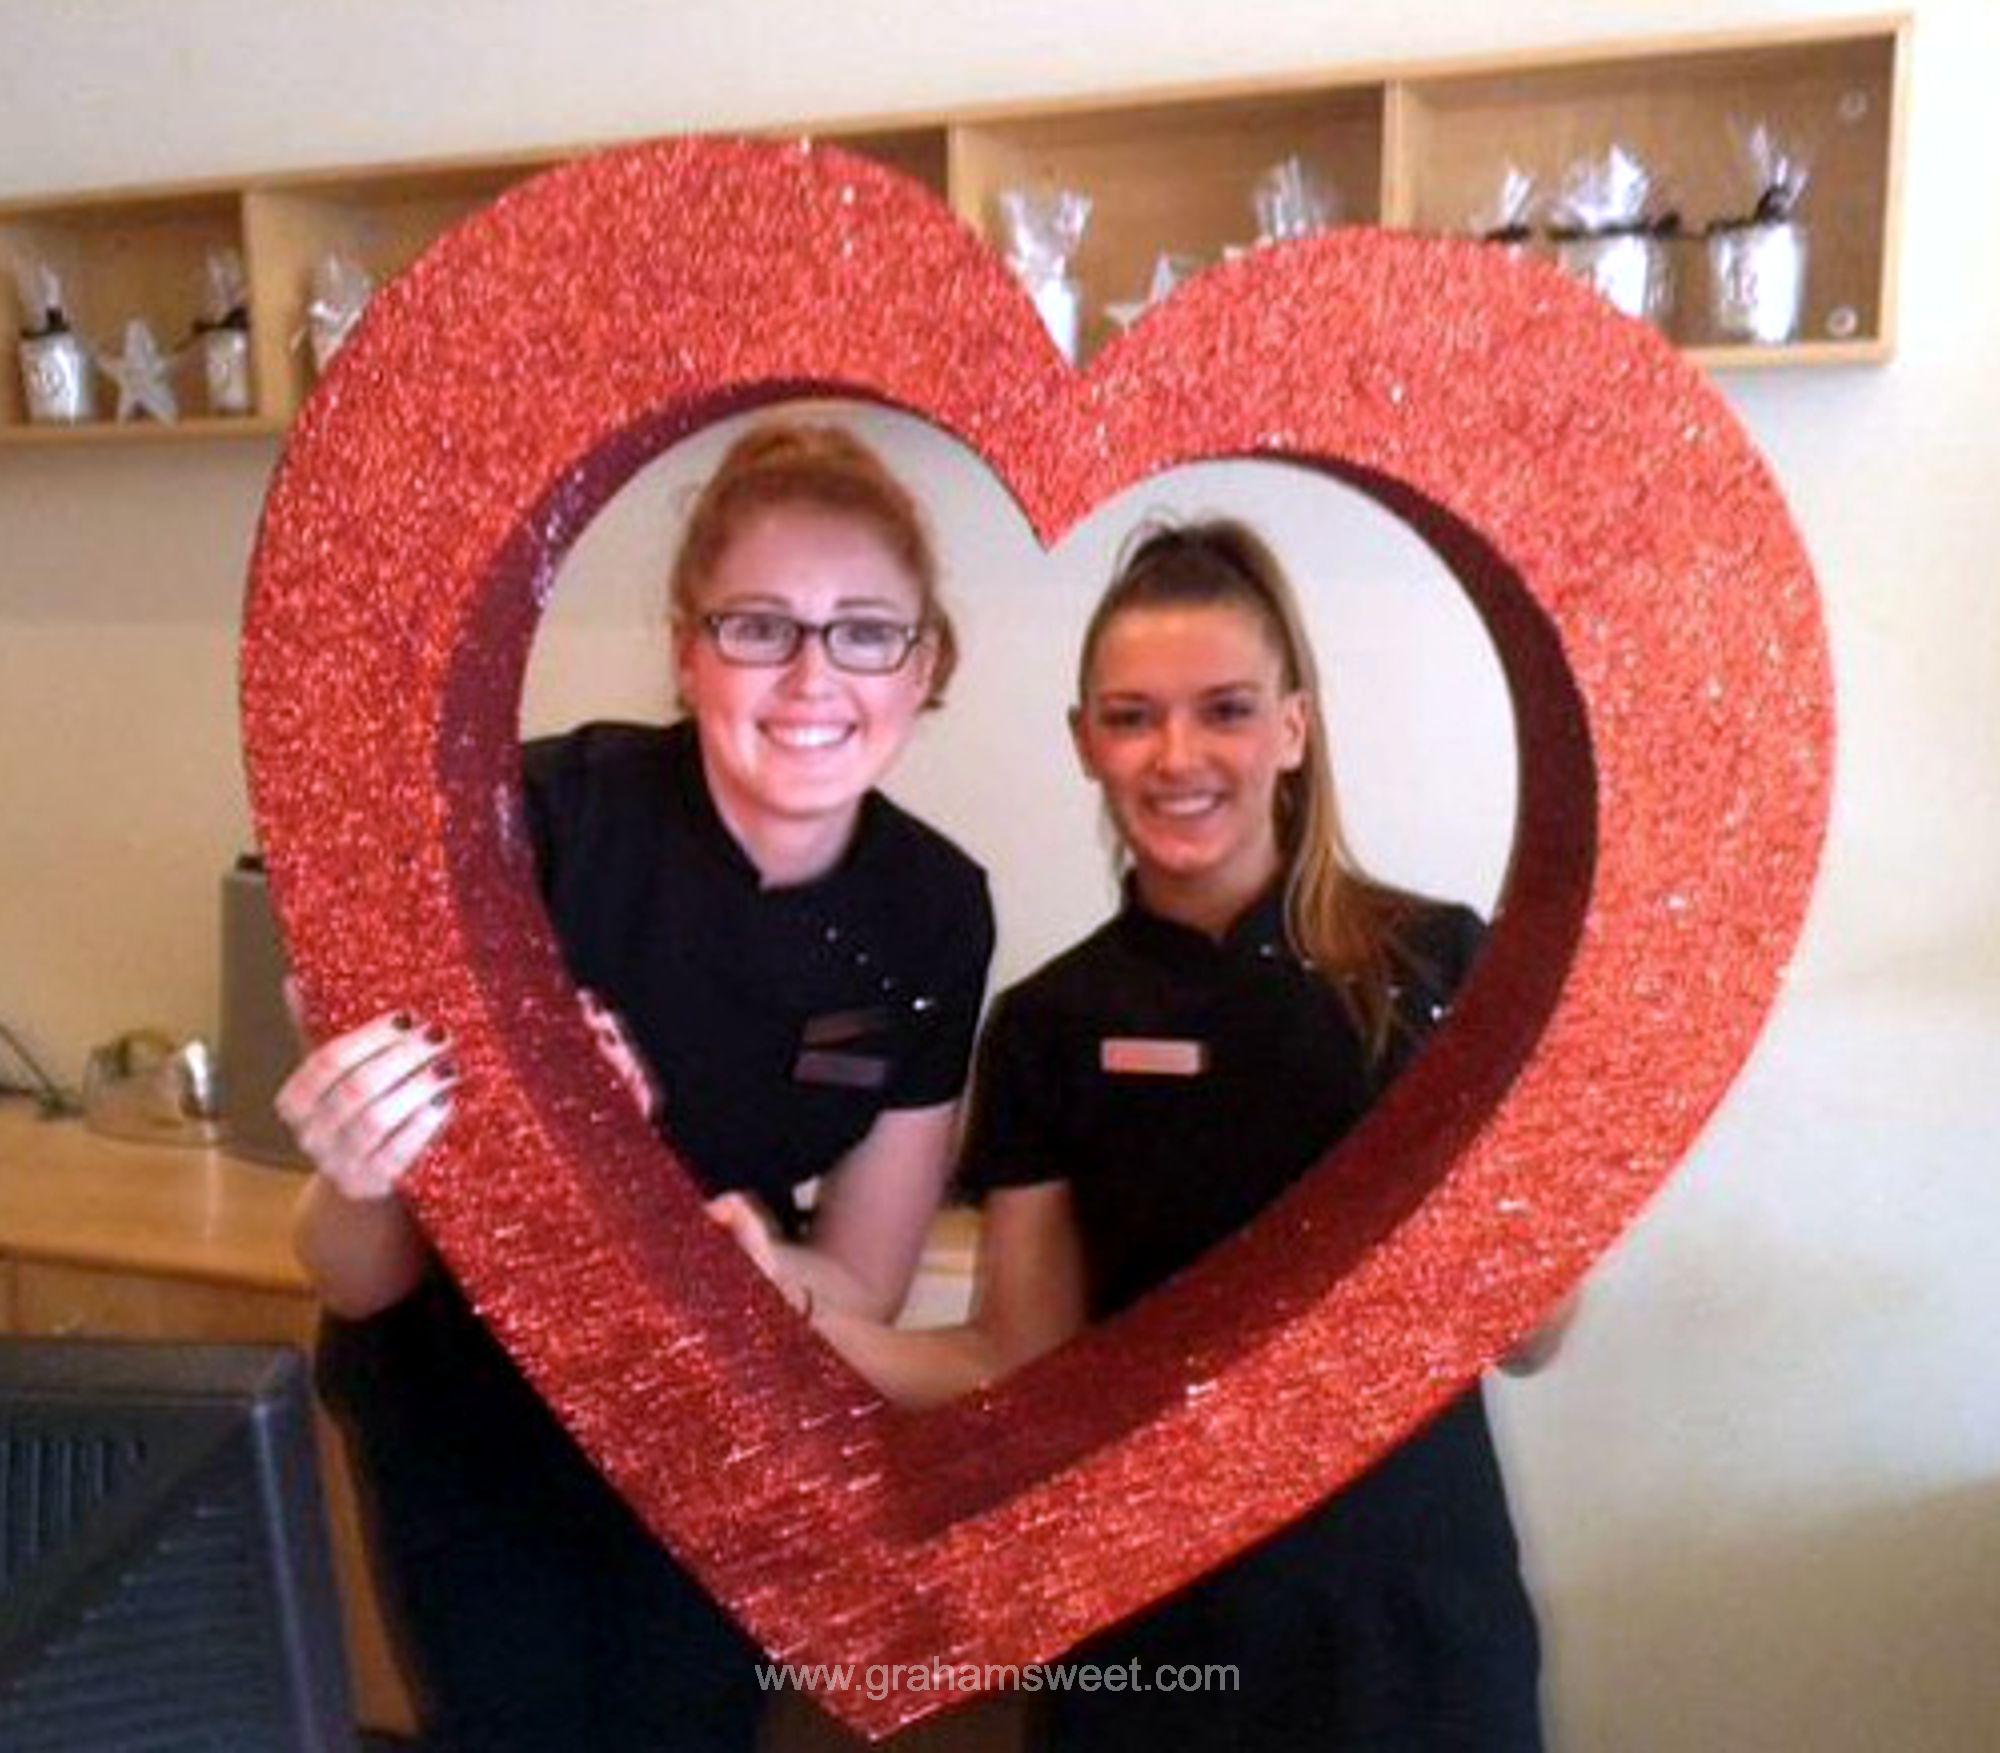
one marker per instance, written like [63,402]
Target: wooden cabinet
[120,1241]
[1682,112]
[107,1240]
[1168,176]
[1420,146]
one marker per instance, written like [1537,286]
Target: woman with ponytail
[1152,1089]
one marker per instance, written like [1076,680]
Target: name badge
[836,1028]
[847,1071]
[847,1049]
[1143,1056]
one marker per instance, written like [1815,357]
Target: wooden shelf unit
[1420,147]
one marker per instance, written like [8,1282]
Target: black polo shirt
[780,1022]
[1180,1084]
[1393,1615]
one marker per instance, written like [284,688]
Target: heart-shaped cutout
[1654,613]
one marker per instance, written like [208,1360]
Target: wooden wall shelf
[1421,147]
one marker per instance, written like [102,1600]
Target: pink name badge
[1136,1056]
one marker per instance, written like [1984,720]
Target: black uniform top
[1270,1074]
[1393,1617]
[780,1021]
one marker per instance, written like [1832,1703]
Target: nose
[811,671]
[1177,748]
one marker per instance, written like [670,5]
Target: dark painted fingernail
[435,1034]
[446,1071]
[442,1099]
[403,1020]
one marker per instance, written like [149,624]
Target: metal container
[149,1088]
[57,380]
[1629,268]
[225,361]
[1757,282]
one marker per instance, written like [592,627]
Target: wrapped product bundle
[1609,236]
[341,291]
[224,333]
[1509,219]
[58,386]
[1757,260]
[1044,231]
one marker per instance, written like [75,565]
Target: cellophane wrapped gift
[224,333]
[1508,220]
[1612,235]
[342,288]
[58,385]
[1291,199]
[1758,257]
[1045,229]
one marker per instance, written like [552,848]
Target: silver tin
[1631,270]
[1757,282]
[57,381]
[225,364]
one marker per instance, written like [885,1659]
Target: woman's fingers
[376,1176]
[615,1046]
[363,1106]
[755,1230]
[329,1065]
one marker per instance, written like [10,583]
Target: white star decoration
[141,375]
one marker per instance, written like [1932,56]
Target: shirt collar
[712,834]
[1258,933]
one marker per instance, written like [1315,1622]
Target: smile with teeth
[808,738]
[1185,806]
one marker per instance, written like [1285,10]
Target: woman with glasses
[787,968]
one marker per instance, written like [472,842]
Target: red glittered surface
[1658,623]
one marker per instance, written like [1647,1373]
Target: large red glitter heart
[1657,621]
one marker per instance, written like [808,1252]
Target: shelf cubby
[1167,171]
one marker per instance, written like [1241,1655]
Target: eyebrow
[764,599]
[1248,686]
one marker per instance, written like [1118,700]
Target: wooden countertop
[68,1194]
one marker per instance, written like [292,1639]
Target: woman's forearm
[827,1283]
[362,1255]
[1028,1299]
[915,1367]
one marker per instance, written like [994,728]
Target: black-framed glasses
[863,645]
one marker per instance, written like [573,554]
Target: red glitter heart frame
[1657,621]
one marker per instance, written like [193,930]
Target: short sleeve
[544,767]
[934,1068]
[1438,949]
[1014,1138]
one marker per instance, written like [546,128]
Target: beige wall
[1761,1492]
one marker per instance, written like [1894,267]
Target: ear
[1079,736]
[922,669]
[684,634]
[1295,729]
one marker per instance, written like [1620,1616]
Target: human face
[793,748]
[1186,724]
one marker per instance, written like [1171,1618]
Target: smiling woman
[1155,1088]
[803,657]
[781,959]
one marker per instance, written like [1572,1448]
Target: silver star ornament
[141,374]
